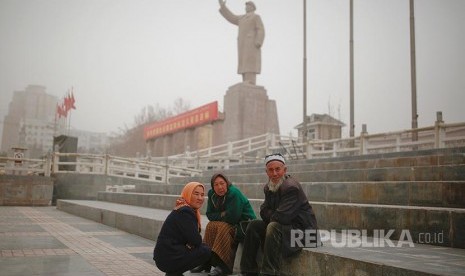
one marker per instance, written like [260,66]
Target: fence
[247,151]
[94,164]
[252,150]
[438,136]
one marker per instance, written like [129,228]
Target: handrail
[242,152]
[118,166]
[440,135]
[24,166]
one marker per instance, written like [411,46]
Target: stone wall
[25,190]
[86,186]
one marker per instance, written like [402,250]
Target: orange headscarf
[185,198]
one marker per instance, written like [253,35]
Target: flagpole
[55,122]
[351,68]
[69,121]
[413,73]
[304,127]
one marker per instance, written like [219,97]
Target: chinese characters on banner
[195,117]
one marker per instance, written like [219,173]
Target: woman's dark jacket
[179,240]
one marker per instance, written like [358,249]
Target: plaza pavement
[46,241]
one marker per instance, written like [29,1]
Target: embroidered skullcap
[274,157]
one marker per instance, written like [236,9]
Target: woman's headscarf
[185,198]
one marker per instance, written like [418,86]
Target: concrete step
[420,221]
[330,259]
[419,173]
[426,165]
[411,193]
[359,163]
[446,156]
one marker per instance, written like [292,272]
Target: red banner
[195,117]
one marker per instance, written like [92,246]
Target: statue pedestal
[248,112]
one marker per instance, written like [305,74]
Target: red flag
[67,102]
[72,100]
[61,111]
[64,110]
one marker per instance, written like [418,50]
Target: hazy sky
[121,55]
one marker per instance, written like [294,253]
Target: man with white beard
[285,208]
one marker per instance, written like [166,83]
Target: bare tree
[130,141]
[180,106]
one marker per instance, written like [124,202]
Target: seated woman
[227,206]
[179,246]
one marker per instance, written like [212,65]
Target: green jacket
[236,206]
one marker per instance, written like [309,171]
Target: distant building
[30,121]
[31,124]
[37,136]
[321,127]
[90,142]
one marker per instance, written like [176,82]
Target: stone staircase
[420,192]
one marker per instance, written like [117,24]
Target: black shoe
[174,274]
[217,271]
[205,267]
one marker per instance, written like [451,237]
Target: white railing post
[167,168]
[309,150]
[398,141]
[56,159]
[364,140]
[106,161]
[48,164]
[230,149]
[439,131]
[335,148]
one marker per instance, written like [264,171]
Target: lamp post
[413,72]
[351,44]
[304,127]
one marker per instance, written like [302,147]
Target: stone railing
[24,166]
[440,135]
[65,163]
[242,152]
[117,166]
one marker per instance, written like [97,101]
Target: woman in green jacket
[226,208]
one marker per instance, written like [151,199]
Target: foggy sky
[120,55]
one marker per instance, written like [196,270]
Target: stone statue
[249,40]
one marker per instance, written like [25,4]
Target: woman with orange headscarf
[179,246]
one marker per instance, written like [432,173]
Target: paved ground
[46,241]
